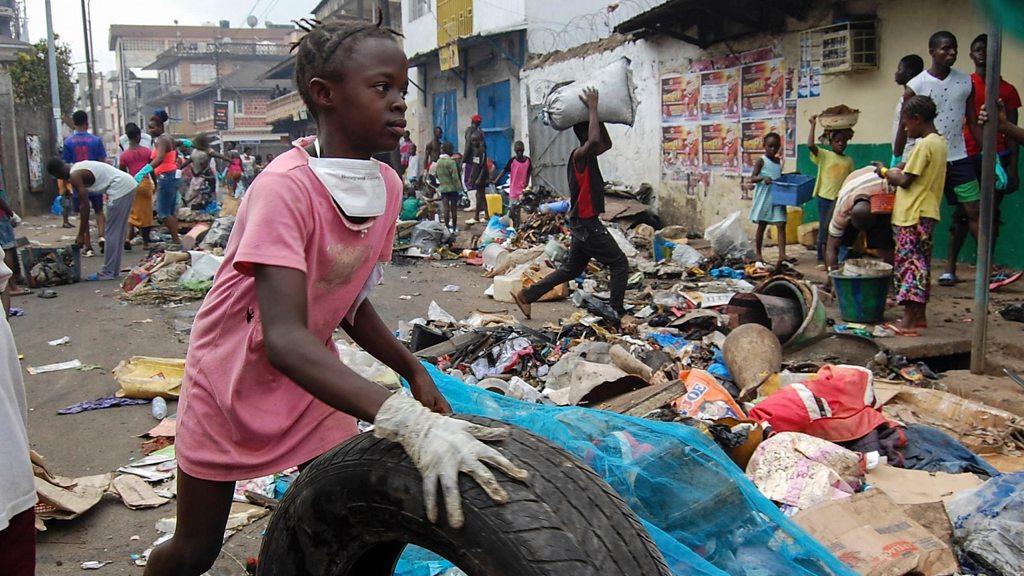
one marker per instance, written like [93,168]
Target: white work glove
[441,447]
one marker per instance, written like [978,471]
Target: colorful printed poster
[720,147]
[680,98]
[789,142]
[680,151]
[753,133]
[720,95]
[763,88]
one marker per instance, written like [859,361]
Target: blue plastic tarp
[703,513]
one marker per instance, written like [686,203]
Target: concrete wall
[636,153]
[421,33]
[15,122]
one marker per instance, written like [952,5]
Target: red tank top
[584,205]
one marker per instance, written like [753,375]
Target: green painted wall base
[1010,246]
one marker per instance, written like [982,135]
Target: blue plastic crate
[792,189]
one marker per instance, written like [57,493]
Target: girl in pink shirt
[264,389]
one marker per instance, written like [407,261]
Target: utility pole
[51,54]
[979,343]
[87,31]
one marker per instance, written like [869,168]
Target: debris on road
[69,365]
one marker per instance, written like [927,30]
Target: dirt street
[104,331]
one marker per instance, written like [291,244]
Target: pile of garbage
[861,448]
[172,276]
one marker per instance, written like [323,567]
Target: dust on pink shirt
[239,417]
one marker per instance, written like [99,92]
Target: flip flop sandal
[948,279]
[47,294]
[899,331]
[1006,281]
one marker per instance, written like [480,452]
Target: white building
[466,57]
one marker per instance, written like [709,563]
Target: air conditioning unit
[849,47]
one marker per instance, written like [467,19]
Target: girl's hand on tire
[441,447]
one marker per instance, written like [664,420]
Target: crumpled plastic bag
[497,231]
[686,256]
[428,236]
[988,526]
[614,83]
[204,266]
[364,364]
[729,239]
[801,471]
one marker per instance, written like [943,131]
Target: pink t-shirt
[518,175]
[239,417]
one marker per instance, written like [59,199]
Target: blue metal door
[494,104]
[444,115]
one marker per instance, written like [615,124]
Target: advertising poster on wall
[753,133]
[720,147]
[763,88]
[680,151]
[680,98]
[34,150]
[720,95]
[789,142]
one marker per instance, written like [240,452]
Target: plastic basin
[861,298]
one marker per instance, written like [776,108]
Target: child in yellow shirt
[833,168]
[916,210]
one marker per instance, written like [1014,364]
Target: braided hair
[921,106]
[316,50]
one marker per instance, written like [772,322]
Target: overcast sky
[67,18]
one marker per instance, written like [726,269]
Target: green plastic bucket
[861,298]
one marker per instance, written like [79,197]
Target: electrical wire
[253,8]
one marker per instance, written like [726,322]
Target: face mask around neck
[355,185]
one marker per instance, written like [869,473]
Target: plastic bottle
[159,408]
[560,207]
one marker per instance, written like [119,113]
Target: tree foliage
[30,74]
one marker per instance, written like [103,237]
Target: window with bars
[418,9]
[201,74]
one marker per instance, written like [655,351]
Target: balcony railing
[285,107]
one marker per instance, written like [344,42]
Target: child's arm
[292,348]
[501,174]
[370,333]
[529,171]
[810,136]
[755,176]
[898,177]
[440,447]
[83,208]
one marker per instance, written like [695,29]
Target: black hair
[439,129]
[922,106]
[983,38]
[132,131]
[247,150]
[913,63]
[80,118]
[447,147]
[774,135]
[518,143]
[158,119]
[56,167]
[316,50]
[939,37]
[201,141]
